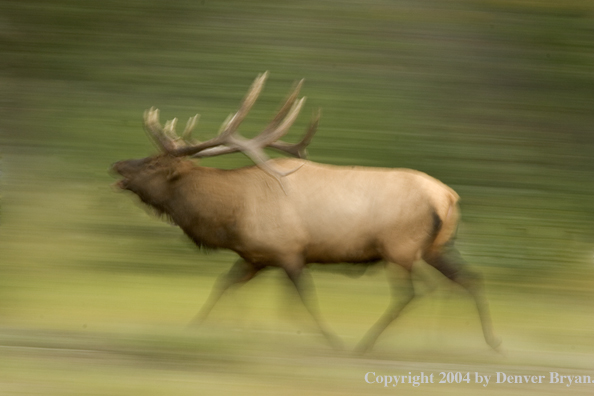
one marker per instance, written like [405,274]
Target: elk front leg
[241,272]
[402,295]
[449,262]
[305,288]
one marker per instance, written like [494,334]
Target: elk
[290,212]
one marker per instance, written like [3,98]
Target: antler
[228,140]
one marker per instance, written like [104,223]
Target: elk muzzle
[126,169]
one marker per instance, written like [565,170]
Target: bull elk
[290,212]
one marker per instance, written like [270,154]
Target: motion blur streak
[494,98]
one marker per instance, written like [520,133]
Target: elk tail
[437,224]
[445,223]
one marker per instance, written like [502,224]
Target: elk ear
[173,175]
[178,171]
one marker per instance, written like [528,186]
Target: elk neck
[205,203]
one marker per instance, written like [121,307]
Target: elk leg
[304,284]
[450,263]
[241,272]
[397,304]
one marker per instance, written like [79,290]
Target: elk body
[290,212]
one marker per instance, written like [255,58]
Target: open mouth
[115,171]
[121,184]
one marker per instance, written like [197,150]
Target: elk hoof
[361,348]
[194,323]
[334,341]
[495,344]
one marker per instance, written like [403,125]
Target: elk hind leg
[450,263]
[241,272]
[402,293]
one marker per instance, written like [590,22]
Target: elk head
[151,178]
[154,174]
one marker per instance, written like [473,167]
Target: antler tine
[229,141]
[187,134]
[230,126]
[237,143]
[155,130]
[165,136]
[288,113]
[299,150]
[246,104]
[282,113]
[169,130]
[269,136]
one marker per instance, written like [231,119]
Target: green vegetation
[494,98]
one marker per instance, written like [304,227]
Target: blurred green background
[493,97]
